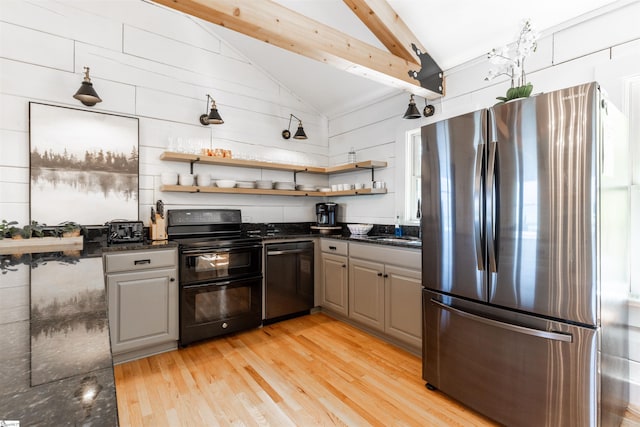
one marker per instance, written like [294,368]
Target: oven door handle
[208,284]
[225,249]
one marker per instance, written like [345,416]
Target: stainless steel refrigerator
[525,261]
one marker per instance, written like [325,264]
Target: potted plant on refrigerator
[509,61]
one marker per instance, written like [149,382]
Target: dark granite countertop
[55,363]
[387,240]
[148,245]
[379,235]
[384,239]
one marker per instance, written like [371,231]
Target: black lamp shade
[87,95]
[412,111]
[300,132]
[213,118]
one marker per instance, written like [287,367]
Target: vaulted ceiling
[336,54]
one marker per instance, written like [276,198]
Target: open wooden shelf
[221,161]
[258,191]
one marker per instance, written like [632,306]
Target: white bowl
[185,179]
[225,183]
[169,178]
[360,229]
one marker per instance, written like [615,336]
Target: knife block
[158,230]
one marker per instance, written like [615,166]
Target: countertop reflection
[55,363]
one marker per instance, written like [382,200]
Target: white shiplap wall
[158,65]
[570,55]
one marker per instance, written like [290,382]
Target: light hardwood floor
[308,371]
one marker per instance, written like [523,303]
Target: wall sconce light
[213,118]
[429,109]
[286,134]
[412,110]
[86,94]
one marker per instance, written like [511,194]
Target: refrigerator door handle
[477,197]
[556,336]
[491,207]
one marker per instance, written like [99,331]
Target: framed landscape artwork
[84,165]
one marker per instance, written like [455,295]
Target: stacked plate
[264,185]
[285,185]
[246,184]
[305,187]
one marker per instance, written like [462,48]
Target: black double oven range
[220,273]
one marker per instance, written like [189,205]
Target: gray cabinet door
[334,283]
[403,304]
[366,293]
[143,308]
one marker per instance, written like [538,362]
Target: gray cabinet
[403,304]
[366,292]
[385,285]
[143,297]
[334,272]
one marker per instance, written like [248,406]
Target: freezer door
[542,204]
[453,246]
[516,369]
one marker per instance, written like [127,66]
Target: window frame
[413,181]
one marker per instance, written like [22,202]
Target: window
[413,176]
[633,115]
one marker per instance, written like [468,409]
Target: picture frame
[84,165]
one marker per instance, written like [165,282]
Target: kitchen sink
[413,241]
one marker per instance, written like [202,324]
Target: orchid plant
[509,61]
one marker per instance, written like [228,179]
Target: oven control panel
[204,216]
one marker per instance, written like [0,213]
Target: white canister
[358,186]
[169,178]
[334,187]
[203,179]
[185,179]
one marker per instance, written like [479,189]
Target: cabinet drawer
[333,246]
[140,260]
[410,258]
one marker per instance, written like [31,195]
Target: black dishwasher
[288,280]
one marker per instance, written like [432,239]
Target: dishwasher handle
[287,252]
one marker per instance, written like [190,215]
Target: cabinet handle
[333,248]
[344,265]
[142,261]
[385,276]
[379,274]
[173,279]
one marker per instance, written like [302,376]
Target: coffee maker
[326,214]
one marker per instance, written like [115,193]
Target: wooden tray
[40,244]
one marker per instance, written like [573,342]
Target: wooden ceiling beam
[272,23]
[387,26]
